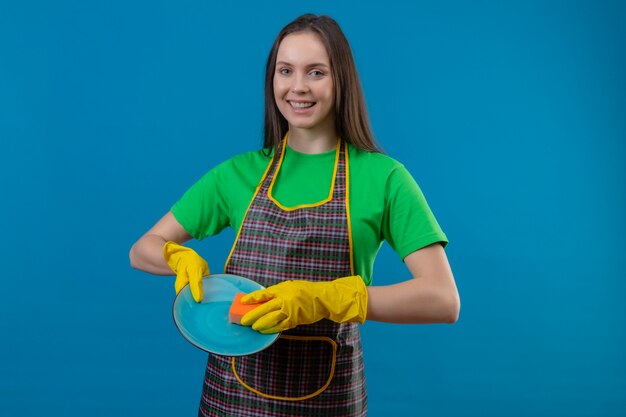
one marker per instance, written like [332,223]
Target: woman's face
[303,84]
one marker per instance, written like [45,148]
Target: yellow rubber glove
[188,266]
[292,303]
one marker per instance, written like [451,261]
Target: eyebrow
[316,64]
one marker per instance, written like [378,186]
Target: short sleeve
[203,209]
[408,222]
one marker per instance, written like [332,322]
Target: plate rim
[276,337]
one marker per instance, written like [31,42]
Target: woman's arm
[147,253]
[430,297]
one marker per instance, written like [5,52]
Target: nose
[299,85]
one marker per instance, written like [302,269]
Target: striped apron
[312,370]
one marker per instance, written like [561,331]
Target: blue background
[510,115]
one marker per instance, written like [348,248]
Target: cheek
[329,92]
[279,88]
[278,97]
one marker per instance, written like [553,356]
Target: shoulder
[258,158]
[249,164]
[375,159]
[376,165]
[382,178]
[241,170]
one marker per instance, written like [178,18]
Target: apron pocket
[294,368]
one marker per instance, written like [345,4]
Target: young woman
[311,210]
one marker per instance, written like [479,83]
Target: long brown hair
[351,119]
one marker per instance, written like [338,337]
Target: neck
[312,140]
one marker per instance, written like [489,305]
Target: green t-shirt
[385,201]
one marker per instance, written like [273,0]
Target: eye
[284,71]
[316,73]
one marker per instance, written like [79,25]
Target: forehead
[302,48]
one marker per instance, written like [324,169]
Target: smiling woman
[327,50]
[303,91]
[311,210]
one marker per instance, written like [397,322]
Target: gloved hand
[292,303]
[188,266]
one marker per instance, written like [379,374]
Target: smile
[301,104]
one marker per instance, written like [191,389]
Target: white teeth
[300,105]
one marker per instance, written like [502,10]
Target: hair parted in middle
[350,113]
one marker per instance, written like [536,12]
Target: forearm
[147,255]
[430,297]
[413,301]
